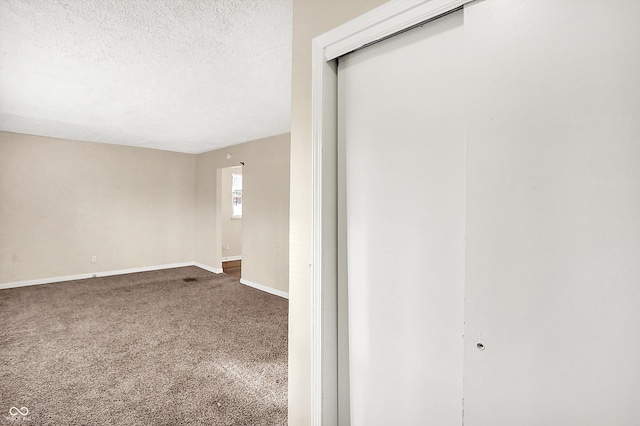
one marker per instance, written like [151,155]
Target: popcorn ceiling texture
[188,76]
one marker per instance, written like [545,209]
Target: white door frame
[378,24]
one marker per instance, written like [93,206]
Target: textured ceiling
[179,75]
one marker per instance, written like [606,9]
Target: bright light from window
[236,195]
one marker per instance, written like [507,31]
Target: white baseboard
[141,269]
[229,258]
[107,274]
[207,268]
[264,288]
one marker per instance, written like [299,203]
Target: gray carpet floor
[149,348]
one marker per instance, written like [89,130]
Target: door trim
[380,23]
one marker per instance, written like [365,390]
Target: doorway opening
[231,220]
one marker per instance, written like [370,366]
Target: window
[236,196]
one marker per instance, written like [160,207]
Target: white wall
[63,201]
[553,211]
[231,227]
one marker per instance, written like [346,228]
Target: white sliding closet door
[553,213]
[403,135]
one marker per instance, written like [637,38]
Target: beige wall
[231,227]
[310,19]
[62,202]
[265,221]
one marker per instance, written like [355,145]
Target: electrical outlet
[94,259]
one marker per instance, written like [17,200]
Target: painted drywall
[553,213]
[231,227]
[63,201]
[265,221]
[311,18]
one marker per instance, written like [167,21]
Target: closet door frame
[389,19]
